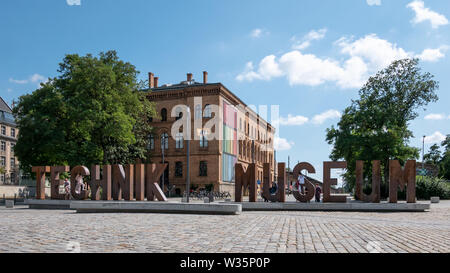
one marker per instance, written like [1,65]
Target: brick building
[246,138]
[8,138]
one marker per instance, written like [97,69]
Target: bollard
[9,204]
[206,200]
[435,200]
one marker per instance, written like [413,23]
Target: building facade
[243,136]
[9,165]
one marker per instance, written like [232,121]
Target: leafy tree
[375,126]
[92,113]
[433,156]
[445,161]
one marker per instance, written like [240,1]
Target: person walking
[67,189]
[301,182]
[318,193]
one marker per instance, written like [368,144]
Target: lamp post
[188,186]
[423,153]
[162,150]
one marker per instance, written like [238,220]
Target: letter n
[40,180]
[401,178]
[103,182]
[152,175]
[245,179]
[374,197]
[123,181]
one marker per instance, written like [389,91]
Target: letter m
[245,179]
[402,178]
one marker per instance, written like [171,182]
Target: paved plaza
[25,230]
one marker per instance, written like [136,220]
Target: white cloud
[258,33]
[35,78]
[437,137]
[293,120]
[330,114]
[433,55]
[282,144]
[73,2]
[18,81]
[305,42]
[425,14]
[435,117]
[373,2]
[268,69]
[365,57]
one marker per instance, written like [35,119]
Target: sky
[309,57]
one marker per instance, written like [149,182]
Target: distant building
[8,139]
[247,138]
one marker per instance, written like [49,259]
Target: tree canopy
[375,126]
[92,113]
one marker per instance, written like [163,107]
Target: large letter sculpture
[123,182]
[280,195]
[402,178]
[328,182]
[82,171]
[103,182]
[153,174]
[55,182]
[245,179]
[40,180]
[309,191]
[374,197]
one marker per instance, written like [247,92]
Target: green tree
[445,161]
[433,156]
[375,126]
[92,113]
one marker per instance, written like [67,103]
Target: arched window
[198,111]
[179,140]
[203,139]
[151,142]
[207,113]
[178,113]
[164,141]
[164,114]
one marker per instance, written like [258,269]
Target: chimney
[189,77]
[205,77]
[151,80]
[155,80]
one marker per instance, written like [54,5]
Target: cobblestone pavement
[25,230]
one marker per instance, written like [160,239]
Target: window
[240,125]
[164,114]
[178,113]
[203,168]
[13,132]
[203,139]
[164,141]
[2,161]
[3,130]
[179,169]
[12,147]
[13,162]
[198,111]
[13,178]
[207,113]
[2,178]
[179,140]
[3,146]
[151,142]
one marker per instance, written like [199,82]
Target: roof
[4,107]
[192,84]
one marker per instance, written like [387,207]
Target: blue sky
[308,57]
